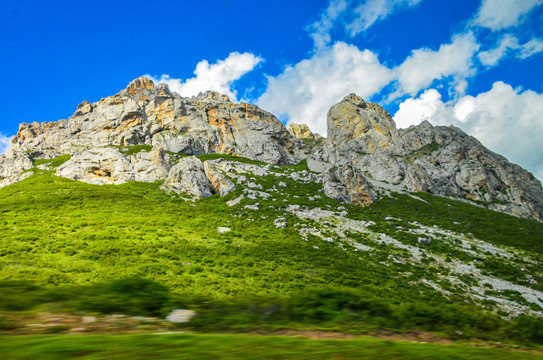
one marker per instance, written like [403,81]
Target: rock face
[197,178]
[220,183]
[98,166]
[345,183]
[439,160]
[188,176]
[108,165]
[152,115]
[139,134]
[301,131]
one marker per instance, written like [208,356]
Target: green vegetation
[132,149]
[73,242]
[53,163]
[425,150]
[183,346]
[313,142]
[490,226]
[214,156]
[345,310]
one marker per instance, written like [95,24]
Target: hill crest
[363,153]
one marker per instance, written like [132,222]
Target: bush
[132,296]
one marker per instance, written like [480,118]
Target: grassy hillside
[57,233]
[238,347]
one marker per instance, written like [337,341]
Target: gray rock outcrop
[363,147]
[98,166]
[220,183]
[440,160]
[189,177]
[345,183]
[152,115]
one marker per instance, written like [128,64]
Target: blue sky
[475,64]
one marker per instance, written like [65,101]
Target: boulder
[105,165]
[347,184]
[220,183]
[189,177]
[151,166]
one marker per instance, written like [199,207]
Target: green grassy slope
[56,232]
[237,347]
[59,232]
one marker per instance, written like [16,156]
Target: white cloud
[304,92]
[4,143]
[424,66]
[371,11]
[321,28]
[507,43]
[506,120]
[532,47]
[217,77]
[501,14]
[492,56]
[425,108]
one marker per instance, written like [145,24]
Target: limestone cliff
[363,151]
[439,160]
[152,115]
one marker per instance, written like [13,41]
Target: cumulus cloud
[320,30]
[4,143]
[424,66]
[217,77]
[506,120]
[507,44]
[304,92]
[371,11]
[501,14]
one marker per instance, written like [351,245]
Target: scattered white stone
[222,229]
[252,207]
[280,222]
[422,240]
[234,201]
[180,316]
[293,208]
[253,185]
[89,319]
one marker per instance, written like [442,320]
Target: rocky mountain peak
[366,124]
[211,96]
[141,83]
[364,157]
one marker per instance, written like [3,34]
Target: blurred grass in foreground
[181,346]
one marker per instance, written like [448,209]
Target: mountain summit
[145,131]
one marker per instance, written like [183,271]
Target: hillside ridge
[144,132]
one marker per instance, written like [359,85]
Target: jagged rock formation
[439,160]
[152,115]
[347,184]
[107,165]
[301,131]
[363,149]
